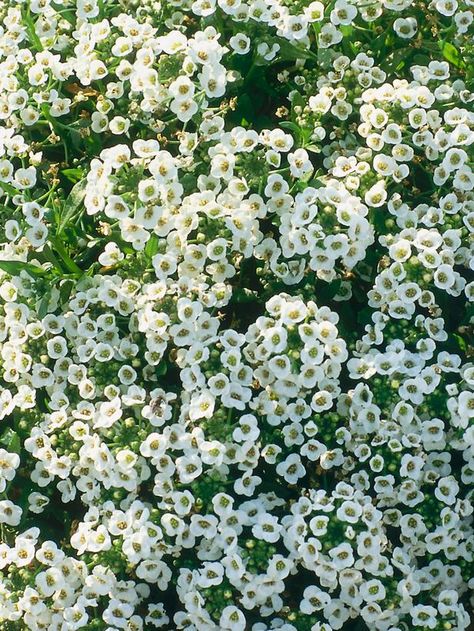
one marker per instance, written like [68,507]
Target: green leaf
[161,369]
[291,126]
[93,144]
[294,128]
[31,31]
[49,255]
[316,183]
[422,60]
[324,57]
[9,189]
[72,204]
[67,15]
[73,175]
[11,441]
[151,247]
[461,342]
[451,54]
[380,42]
[348,47]
[65,289]
[297,99]
[289,52]
[52,296]
[15,267]
[43,304]
[59,248]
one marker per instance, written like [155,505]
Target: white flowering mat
[236,315]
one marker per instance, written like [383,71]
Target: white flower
[423,616]
[9,462]
[240,43]
[372,591]
[342,556]
[202,406]
[188,468]
[37,502]
[10,514]
[446,7]
[291,469]
[300,164]
[267,528]
[232,619]
[447,490]
[111,254]
[376,196]
[405,27]
[25,178]
[321,400]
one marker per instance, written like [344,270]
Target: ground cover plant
[236,308]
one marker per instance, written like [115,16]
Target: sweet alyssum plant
[236,286]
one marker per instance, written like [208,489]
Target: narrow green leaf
[461,342]
[451,54]
[31,31]
[73,175]
[15,267]
[291,126]
[151,247]
[59,248]
[67,15]
[316,183]
[161,369]
[289,52]
[8,188]
[65,289]
[43,304]
[10,441]
[50,256]
[72,204]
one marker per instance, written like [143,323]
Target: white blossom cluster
[236,319]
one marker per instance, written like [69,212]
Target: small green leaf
[67,15]
[59,249]
[49,255]
[72,204]
[297,99]
[151,247]
[65,289]
[73,175]
[11,441]
[8,188]
[324,57]
[291,126]
[451,54]
[15,267]
[289,52]
[43,305]
[461,342]
[316,183]
[31,31]
[161,369]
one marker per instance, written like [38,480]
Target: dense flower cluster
[236,319]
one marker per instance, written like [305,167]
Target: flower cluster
[236,322]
